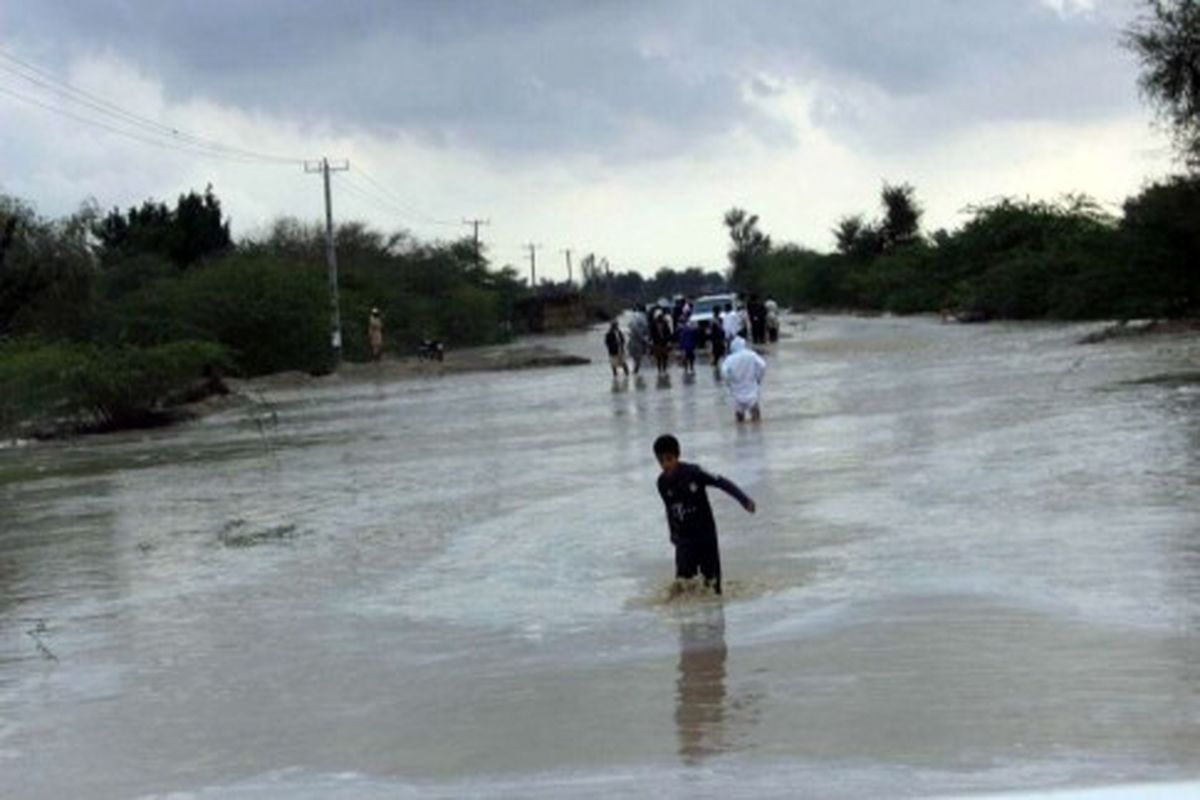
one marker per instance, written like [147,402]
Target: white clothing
[732,324]
[743,371]
[772,315]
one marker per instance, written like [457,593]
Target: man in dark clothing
[757,311]
[687,343]
[660,337]
[614,341]
[689,515]
[716,335]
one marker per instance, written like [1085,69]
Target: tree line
[105,317]
[1012,259]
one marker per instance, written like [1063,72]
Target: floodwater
[975,568]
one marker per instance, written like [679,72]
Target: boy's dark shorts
[699,558]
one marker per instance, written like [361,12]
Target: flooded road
[975,567]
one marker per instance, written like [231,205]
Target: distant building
[551,311]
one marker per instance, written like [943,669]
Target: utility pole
[475,223]
[533,265]
[335,316]
[567,253]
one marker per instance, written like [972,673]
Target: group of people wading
[659,333]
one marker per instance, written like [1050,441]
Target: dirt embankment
[471,359]
[217,394]
[1127,329]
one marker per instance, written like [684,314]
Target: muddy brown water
[975,568]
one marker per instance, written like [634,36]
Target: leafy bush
[89,386]
[271,315]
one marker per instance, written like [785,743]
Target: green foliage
[1167,41]
[748,245]
[1013,259]
[628,288]
[193,230]
[82,385]
[46,270]
[442,291]
[857,238]
[1161,244]
[902,217]
[272,315]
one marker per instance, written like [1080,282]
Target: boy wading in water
[689,516]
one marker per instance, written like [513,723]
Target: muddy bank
[217,394]
[1130,328]
[471,359]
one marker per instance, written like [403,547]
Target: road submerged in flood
[975,568]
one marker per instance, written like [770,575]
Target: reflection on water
[700,683]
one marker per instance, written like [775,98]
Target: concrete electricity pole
[567,253]
[475,223]
[533,264]
[335,335]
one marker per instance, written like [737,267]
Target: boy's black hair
[666,445]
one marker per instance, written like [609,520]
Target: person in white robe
[743,371]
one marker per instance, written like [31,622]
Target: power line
[120,131]
[60,97]
[395,199]
[143,127]
[375,198]
[364,194]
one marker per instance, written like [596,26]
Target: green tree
[902,216]
[857,238]
[194,230]
[1167,41]
[1161,233]
[748,245]
[46,272]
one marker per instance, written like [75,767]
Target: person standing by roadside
[614,341]
[375,334]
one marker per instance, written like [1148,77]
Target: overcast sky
[621,127]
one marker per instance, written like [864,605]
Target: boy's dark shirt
[689,514]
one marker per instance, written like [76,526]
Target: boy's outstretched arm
[730,488]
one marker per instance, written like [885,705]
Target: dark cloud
[619,78]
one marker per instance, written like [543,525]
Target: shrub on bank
[72,385]
[270,314]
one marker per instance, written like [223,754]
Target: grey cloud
[619,79]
